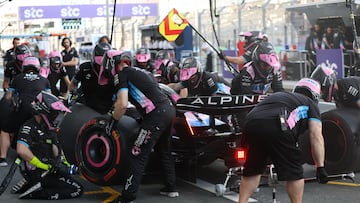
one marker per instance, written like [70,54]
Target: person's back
[28,84]
[292,104]
[283,116]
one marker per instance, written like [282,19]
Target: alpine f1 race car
[203,131]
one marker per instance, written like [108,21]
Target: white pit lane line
[233,196]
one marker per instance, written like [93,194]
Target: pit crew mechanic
[167,70]
[13,67]
[96,88]
[38,146]
[26,85]
[57,73]
[344,91]
[143,60]
[261,73]
[283,116]
[252,39]
[197,82]
[141,88]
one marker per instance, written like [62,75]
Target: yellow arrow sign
[172,25]
[113,194]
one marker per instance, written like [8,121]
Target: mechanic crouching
[142,89]
[47,174]
[344,91]
[283,117]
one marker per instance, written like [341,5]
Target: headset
[66,38]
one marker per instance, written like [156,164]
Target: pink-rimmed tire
[102,159]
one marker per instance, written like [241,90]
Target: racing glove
[321,175]
[63,169]
[111,126]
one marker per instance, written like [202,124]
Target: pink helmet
[54,54]
[309,87]
[31,63]
[55,61]
[21,52]
[266,59]
[326,77]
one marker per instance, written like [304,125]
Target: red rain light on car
[240,154]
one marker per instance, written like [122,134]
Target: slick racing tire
[341,131]
[71,125]
[102,158]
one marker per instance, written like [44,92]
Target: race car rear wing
[219,105]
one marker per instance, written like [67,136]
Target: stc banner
[87,11]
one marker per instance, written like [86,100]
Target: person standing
[10,53]
[26,86]
[70,59]
[57,73]
[328,39]
[283,117]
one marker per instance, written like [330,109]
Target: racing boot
[31,192]
[20,186]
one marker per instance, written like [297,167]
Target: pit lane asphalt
[203,190]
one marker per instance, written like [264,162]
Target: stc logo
[39,12]
[140,10]
[70,12]
[136,10]
[33,13]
